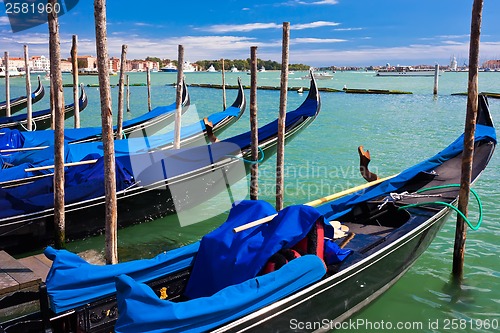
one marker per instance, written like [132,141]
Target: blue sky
[323,32]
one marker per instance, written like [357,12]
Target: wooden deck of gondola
[20,274]
[19,284]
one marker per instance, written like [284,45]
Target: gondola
[17,104]
[147,124]
[198,133]
[145,182]
[296,272]
[42,119]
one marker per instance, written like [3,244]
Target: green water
[399,131]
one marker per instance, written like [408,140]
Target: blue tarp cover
[226,258]
[46,137]
[140,309]
[11,139]
[76,152]
[73,282]
[82,182]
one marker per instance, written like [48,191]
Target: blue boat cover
[82,182]
[226,258]
[46,137]
[341,206]
[73,282]
[140,309]
[167,164]
[10,139]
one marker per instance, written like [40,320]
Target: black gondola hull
[134,206]
[328,304]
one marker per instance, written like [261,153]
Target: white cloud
[316,40]
[312,25]
[4,20]
[451,42]
[347,29]
[225,28]
[453,36]
[311,3]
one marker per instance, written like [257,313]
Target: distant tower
[453,64]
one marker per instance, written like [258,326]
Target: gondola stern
[186,99]
[483,114]
[240,101]
[83,98]
[313,94]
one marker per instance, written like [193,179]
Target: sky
[323,32]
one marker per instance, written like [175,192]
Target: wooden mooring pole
[128,93]
[148,83]
[280,153]
[111,247]
[254,171]
[119,128]
[178,98]
[436,79]
[74,66]
[7,85]
[29,106]
[58,121]
[470,127]
[223,73]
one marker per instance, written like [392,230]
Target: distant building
[86,62]
[492,64]
[15,62]
[66,65]
[114,64]
[40,63]
[141,65]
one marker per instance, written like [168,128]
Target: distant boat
[87,71]
[211,69]
[37,71]
[234,69]
[187,67]
[13,72]
[170,68]
[406,71]
[262,69]
[93,72]
[453,65]
[319,76]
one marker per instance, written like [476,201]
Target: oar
[316,202]
[14,150]
[46,167]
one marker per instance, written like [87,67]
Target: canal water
[399,131]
